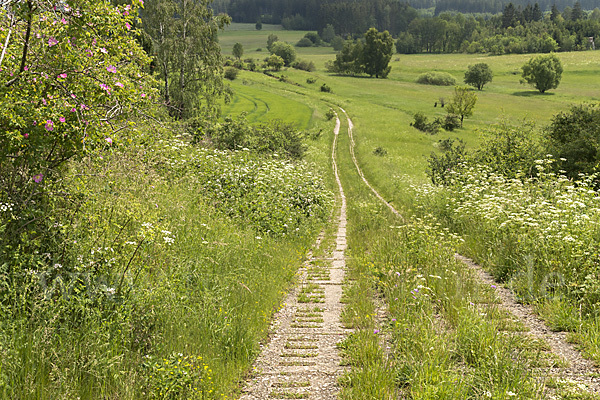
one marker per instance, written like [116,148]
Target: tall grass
[161,284]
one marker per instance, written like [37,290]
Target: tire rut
[578,369]
[301,360]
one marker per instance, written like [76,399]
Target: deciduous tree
[463,103]
[188,56]
[377,53]
[478,75]
[238,50]
[543,72]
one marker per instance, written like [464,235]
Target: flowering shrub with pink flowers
[71,73]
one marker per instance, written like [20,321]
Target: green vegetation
[478,75]
[436,78]
[543,72]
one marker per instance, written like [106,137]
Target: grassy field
[382,111]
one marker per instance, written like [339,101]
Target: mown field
[514,243]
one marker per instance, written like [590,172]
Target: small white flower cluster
[169,240]
[4,207]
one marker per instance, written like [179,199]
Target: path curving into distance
[301,361]
[577,369]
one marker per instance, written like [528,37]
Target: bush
[304,42]
[272,137]
[421,124]
[441,168]
[274,62]
[450,122]
[436,78]
[231,73]
[330,114]
[311,80]
[543,72]
[380,151]
[308,66]
[325,88]
[285,51]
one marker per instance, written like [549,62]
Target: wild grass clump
[436,78]
[144,286]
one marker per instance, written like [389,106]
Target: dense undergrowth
[152,271]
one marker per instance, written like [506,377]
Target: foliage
[420,123]
[328,33]
[462,103]
[285,51]
[330,114]
[314,38]
[272,38]
[325,88]
[337,43]
[304,42]
[231,73]
[478,75]
[258,26]
[441,169]
[509,150]
[308,66]
[377,53]
[238,50]
[349,59]
[187,55]
[436,78]
[573,139]
[273,137]
[274,62]
[450,122]
[380,151]
[543,72]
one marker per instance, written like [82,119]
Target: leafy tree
[258,25]
[349,60]
[238,50]
[543,72]
[284,50]
[478,75]
[577,12]
[463,103]
[272,38]
[188,57]
[377,53]
[328,33]
[573,139]
[337,43]
[314,38]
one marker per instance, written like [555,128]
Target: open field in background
[383,109]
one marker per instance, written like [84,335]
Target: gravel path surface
[301,360]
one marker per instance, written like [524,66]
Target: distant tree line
[356,16]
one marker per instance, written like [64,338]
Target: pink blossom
[84,107]
[105,87]
[44,102]
[127,26]
[26,68]
[63,75]
[62,119]
[73,95]
[49,125]
[108,140]
[94,42]
[143,94]
[52,42]
[125,12]
[26,135]
[103,50]
[119,84]
[112,68]
[142,2]
[38,178]
[73,109]
[63,20]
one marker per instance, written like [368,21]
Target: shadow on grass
[532,93]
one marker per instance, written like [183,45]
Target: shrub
[311,80]
[231,73]
[441,168]
[450,122]
[380,151]
[285,51]
[308,66]
[330,114]
[421,124]
[325,88]
[436,78]
[304,42]
[274,62]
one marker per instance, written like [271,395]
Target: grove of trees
[370,57]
